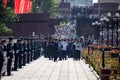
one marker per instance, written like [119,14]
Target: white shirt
[64,45]
[78,46]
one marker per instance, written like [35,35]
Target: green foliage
[4,29]
[46,6]
[63,24]
[9,15]
[6,16]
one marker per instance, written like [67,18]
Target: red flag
[17,6]
[5,2]
[22,6]
[21,9]
[26,6]
[30,6]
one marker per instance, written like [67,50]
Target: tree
[46,6]
[6,15]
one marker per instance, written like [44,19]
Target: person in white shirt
[77,51]
[64,49]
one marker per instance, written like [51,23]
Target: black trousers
[9,64]
[28,57]
[51,54]
[31,56]
[1,65]
[55,55]
[16,61]
[60,54]
[77,54]
[20,60]
[24,58]
[64,55]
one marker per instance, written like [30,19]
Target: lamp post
[117,19]
[103,58]
[37,4]
[111,25]
[97,24]
[101,24]
[103,20]
[108,25]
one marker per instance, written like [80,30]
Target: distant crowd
[16,53]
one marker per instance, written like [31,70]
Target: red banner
[17,6]
[5,2]
[30,6]
[23,6]
[26,6]
[21,9]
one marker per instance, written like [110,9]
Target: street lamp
[117,19]
[114,24]
[101,24]
[111,25]
[37,4]
[103,20]
[97,24]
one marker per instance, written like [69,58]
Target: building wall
[29,23]
[105,8]
[79,2]
[109,1]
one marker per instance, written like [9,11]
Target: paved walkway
[44,69]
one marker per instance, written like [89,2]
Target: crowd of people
[17,53]
[21,51]
[61,49]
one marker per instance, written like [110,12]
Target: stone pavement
[44,69]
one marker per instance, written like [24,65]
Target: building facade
[37,23]
[109,1]
[79,2]
[106,6]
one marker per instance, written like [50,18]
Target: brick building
[105,8]
[33,23]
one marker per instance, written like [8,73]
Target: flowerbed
[95,57]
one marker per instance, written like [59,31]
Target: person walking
[55,50]
[78,49]
[64,49]
[59,50]
[51,49]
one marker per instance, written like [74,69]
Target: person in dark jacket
[9,55]
[28,51]
[20,53]
[1,56]
[55,50]
[24,52]
[51,49]
[16,54]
